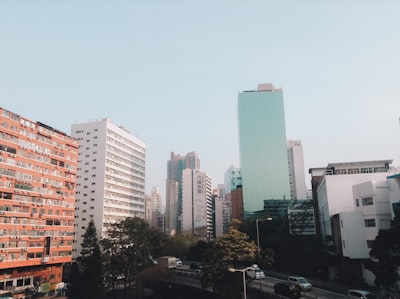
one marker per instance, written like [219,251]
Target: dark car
[287,289]
[196,265]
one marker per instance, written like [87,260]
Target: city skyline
[167,72]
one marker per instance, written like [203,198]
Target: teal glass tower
[263,149]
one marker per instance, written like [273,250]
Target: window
[367,201]
[370,243]
[370,222]
[357,202]
[367,170]
[353,171]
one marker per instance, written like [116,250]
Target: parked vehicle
[361,294]
[178,262]
[167,262]
[255,273]
[287,289]
[303,283]
[196,266]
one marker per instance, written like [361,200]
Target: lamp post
[244,277]
[258,236]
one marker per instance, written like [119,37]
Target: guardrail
[190,273]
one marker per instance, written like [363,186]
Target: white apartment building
[354,203]
[297,175]
[110,178]
[196,203]
[335,190]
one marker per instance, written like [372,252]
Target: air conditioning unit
[45,259]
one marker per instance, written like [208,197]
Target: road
[267,285]
[264,285]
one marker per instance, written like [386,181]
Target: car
[178,262]
[196,266]
[361,294]
[303,283]
[255,273]
[287,289]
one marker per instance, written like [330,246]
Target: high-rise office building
[297,175]
[38,168]
[111,177]
[197,203]
[263,149]
[175,167]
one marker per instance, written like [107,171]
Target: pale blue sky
[170,72]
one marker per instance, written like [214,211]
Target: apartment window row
[370,222]
[113,135]
[367,201]
[358,170]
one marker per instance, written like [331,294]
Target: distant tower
[298,189]
[107,191]
[175,167]
[233,178]
[157,209]
[156,200]
[196,203]
[263,151]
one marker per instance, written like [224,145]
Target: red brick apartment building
[38,166]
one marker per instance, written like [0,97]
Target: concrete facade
[111,177]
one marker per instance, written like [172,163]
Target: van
[303,283]
[287,289]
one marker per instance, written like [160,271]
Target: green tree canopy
[231,250]
[385,255]
[128,247]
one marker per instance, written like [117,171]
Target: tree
[128,247]
[196,251]
[177,246]
[90,262]
[231,250]
[385,254]
[76,289]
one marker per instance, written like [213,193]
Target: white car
[303,283]
[255,273]
[360,294]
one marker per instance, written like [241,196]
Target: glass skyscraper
[263,148]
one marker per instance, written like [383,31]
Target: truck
[167,262]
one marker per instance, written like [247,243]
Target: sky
[170,72]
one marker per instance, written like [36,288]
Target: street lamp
[258,236]
[244,277]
